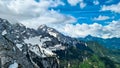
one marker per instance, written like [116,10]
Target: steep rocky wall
[10,54]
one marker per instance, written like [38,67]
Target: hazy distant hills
[111,43]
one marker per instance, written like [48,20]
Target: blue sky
[86,14]
[74,18]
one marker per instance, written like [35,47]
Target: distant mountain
[23,47]
[111,43]
[104,47]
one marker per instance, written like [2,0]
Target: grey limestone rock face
[13,55]
[9,54]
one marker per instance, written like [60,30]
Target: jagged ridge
[40,48]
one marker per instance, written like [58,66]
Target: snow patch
[33,40]
[57,47]
[48,52]
[14,65]
[17,36]
[86,44]
[14,48]
[4,32]
[19,46]
[36,46]
[45,39]
[37,40]
[53,34]
[42,52]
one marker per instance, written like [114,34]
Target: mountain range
[110,43]
[45,47]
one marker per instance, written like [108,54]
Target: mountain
[109,48]
[29,48]
[111,43]
[22,47]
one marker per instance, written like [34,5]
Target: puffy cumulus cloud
[113,8]
[81,30]
[96,2]
[32,13]
[82,5]
[75,2]
[51,17]
[100,17]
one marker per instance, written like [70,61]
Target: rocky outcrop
[10,54]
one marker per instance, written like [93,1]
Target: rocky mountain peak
[40,48]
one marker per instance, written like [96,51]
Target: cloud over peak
[81,30]
[30,12]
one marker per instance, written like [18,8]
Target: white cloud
[96,2]
[100,17]
[32,13]
[75,2]
[81,30]
[109,1]
[51,17]
[82,4]
[113,8]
